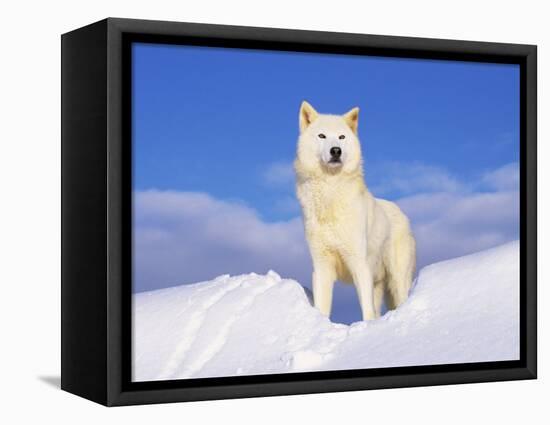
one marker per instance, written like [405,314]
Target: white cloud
[184,237]
[467,217]
[279,173]
[503,178]
[408,178]
[450,225]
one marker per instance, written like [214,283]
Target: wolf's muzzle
[335,154]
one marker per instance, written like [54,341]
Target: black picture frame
[96,212]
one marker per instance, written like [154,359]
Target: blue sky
[439,137]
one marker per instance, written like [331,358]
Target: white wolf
[352,236]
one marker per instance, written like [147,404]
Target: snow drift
[460,310]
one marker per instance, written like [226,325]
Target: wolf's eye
[322,136]
[341,137]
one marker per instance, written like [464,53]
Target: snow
[461,310]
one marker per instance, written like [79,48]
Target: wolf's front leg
[323,282]
[362,277]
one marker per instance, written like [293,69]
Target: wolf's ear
[307,115]
[352,119]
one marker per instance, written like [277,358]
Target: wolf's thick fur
[352,236]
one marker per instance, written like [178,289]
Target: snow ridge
[461,310]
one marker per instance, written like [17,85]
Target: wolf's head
[328,143]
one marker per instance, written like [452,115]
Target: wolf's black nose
[335,152]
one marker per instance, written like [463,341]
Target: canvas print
[299,212]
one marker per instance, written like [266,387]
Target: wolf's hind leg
[400,270]
[379,290]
